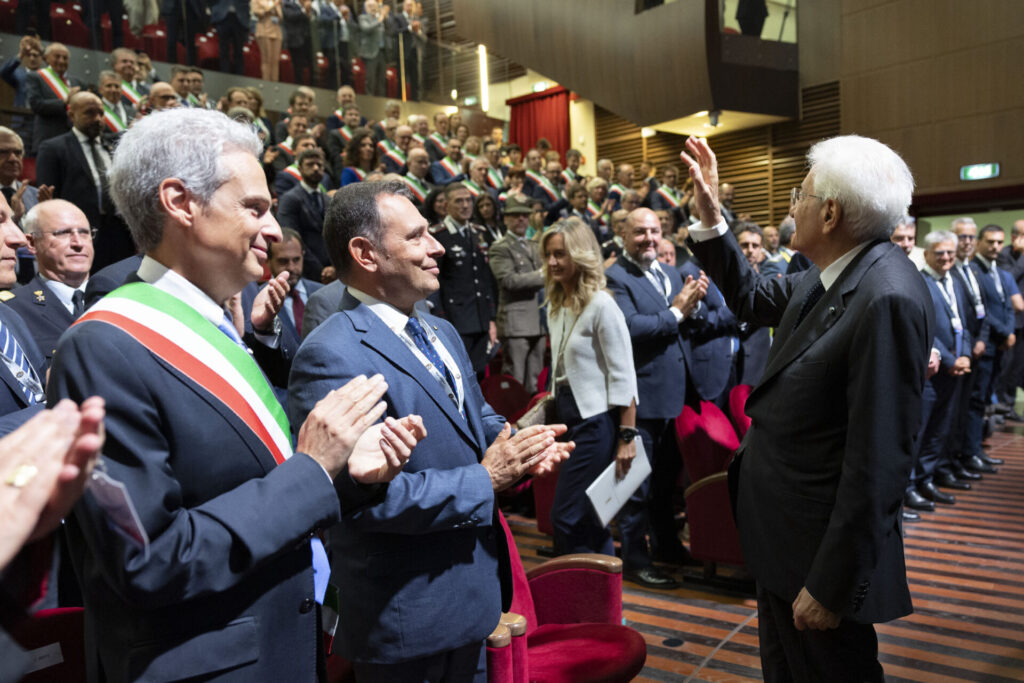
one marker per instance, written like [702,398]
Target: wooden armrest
[593,561]
[710,479]
[515,623]
[500,636]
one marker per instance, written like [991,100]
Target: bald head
[86,112]
[60,237]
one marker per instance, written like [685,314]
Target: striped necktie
[25,375]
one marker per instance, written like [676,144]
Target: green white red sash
[439,140]
[419,138]
[392,151]
[341,115]
[544,184]
[594,211]
[110,117]
[473,188]
[284,147]
[617,188]
[359,172]
[56,83]
[418,189]
[346,133]
[179,335]
[669,195]
[494,178]
[568,176]
[450,166]
[131,93]
[293,171]
[193,101]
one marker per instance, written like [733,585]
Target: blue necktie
[228,328]
[11,350]
[419,337]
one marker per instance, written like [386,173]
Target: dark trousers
[943,397]
[576,526]
[232,39]
[956,442]
[93,11]
[302,63]
[634,518]
[1012,373]
[845,654]
[476,348]
[375,84]
[33,13]
[981,394]
[466,664]
[666,464]
[182,25]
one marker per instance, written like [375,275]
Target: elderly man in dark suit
[423,569]
[822,471]
[76,164]
[302,209]
[61,239]
[516,264]
[656,303]
[49,92]
[218,583]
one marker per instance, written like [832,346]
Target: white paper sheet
[608,495]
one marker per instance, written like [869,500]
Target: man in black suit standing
[76,164]
[302,209]
[48,92]
[60,237]
[818,486]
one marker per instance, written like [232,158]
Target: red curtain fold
[541,115]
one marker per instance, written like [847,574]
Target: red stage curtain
[541,115]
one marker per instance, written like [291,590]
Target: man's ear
[832,212]
[31,239]
[177,201]
[363,253]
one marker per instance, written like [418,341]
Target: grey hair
[30,221]
[107,73]
[786,229]
[963,220]
[869,180]
[187,144]
[6,132]
[938,237]
[595,183]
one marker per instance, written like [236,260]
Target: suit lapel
[379,337]
[52,303]
[643,283]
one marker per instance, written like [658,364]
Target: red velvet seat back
[737,408]
[522,600]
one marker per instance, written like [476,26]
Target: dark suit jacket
[823,468]
[45,315]
[1013,263]
[220,9]
[998,311]
[440,175]
[12,398]
[108,279]
[297,28]
[290,337]
[425,568]
[945,337]
[227,590]
[708,339]
[298,210]
[658,353]
[51,111]
[321,305]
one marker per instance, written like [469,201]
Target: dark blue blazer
[425,568]
[110,278]
[978,327]
[286,181]
[12,398]
[945,338]
[658,352]
[998,312]
[227,590]
[44,314]
[290,337]
[219,11]
[708,339]
[440,175]
[297,209]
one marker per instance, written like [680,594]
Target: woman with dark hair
[360,157]
[487,214]
[435,206]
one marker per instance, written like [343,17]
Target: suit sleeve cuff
[700,233]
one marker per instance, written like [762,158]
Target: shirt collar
[389,315]
[82,138]
[166,280]
[989,265]
[62,291]
[934,273]
[307,188]
[835,269]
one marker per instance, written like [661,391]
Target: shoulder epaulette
[6,295]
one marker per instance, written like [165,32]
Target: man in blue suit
[656,304]
[215,579]
[448,169]
[997,287]
[302,209]
[231,19]
[423,570]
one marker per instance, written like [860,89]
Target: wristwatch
[627,434]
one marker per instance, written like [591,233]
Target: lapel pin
[40,297]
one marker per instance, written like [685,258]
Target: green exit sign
[979,171]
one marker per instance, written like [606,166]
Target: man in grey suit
[516,264]
[817,488]
[369,45]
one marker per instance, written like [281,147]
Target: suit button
[306,606]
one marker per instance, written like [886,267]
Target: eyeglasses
[796,194]
[966,238]
[64,234]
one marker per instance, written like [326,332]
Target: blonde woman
[594,382]
[269,14]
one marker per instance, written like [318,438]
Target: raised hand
[703,169]
[269,301]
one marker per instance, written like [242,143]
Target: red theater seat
[286,69]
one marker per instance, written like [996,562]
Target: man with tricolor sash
[117,115]
[290,176]
[437,142]
[448,169]
[125,64]
[417,176]
[496,172]
[545,188]
[477,180]
[394,152]
[571,174]
[202,560]
[48,91]
[623,183]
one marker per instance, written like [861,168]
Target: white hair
[963,220]
[938,237]
[869,180]
[187,144]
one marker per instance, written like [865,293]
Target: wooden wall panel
[763,163]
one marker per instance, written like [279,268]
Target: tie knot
[294,293]
[414,328]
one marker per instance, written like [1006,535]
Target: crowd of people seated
[508,248]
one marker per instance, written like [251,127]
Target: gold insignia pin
[40,297]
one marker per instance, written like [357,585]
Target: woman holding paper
[594,382]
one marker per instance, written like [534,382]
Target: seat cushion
[578,653]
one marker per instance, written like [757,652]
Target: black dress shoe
[962,474]
[911,516]
[976,464]
[915,501]
[932,493]
[989,460]
[948,481]
[651,577]
[1014,416]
